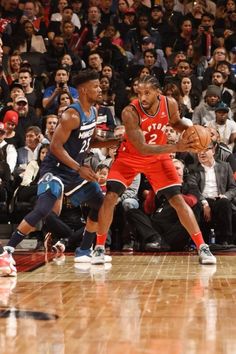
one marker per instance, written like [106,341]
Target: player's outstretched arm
[136,136]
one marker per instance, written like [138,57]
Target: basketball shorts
[161,174]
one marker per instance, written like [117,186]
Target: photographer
[50,98]
[206,40]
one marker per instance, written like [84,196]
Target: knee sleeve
[42,208]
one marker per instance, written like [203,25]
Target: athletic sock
[87,241]
[197,239]
[101,240]
[16,238]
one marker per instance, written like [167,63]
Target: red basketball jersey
[153,127]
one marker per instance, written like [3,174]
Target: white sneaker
[85,256]
[98,256]
[205,255]
[6,266]
[59,247]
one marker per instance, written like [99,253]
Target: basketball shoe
[205,255]
[7,268]
[59,247]
[85,256]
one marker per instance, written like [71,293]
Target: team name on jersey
[85,135]
[155,126]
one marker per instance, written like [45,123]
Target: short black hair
[85,76]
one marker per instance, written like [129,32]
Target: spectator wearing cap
[227,95]
[27,117]
[142,29]
[10,121]
[225,126]
[205,111]
[8,150]
[149,43]
[16,90]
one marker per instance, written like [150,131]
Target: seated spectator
[50,97]
[72,38]
[222,152]
[27,117]
[143,29]
[185,36]
[64,100]
[5,177]
[65,14]
[10,121]
[90,31]
[29,152]
[150,61]
[225,127]
[189,98]
[55,27]
[51,122]
[205,111]
[8,150]
[13,67]
[133,91]
[118,87]
[227,95]
[219,55]
[30,13]
[28,41]
[67,62]
[33,95]
[16,90]
[184,70]
[55,51]
[225,67]
[27,191]
[217,188]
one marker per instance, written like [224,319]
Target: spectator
[185,37]
[222,152]
[64,100]
[5,177]
[51,122]
[8,150]
[10,121]
[34,97]
[217,188]
[27,191]
[50,97]
[225,127]
[205,111]
[13,68]
[27,117]
[28,41]
[28,152]
[30,13]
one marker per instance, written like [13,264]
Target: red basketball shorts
[160,173]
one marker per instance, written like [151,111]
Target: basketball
[202,133]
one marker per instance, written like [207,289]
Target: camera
[206,28]
[61,84]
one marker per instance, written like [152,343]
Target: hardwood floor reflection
[140,304]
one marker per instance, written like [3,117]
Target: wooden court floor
[141,304]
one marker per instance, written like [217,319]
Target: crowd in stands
[190,47]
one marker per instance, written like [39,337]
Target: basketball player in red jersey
[144,150]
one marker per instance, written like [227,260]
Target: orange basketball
[202,133]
